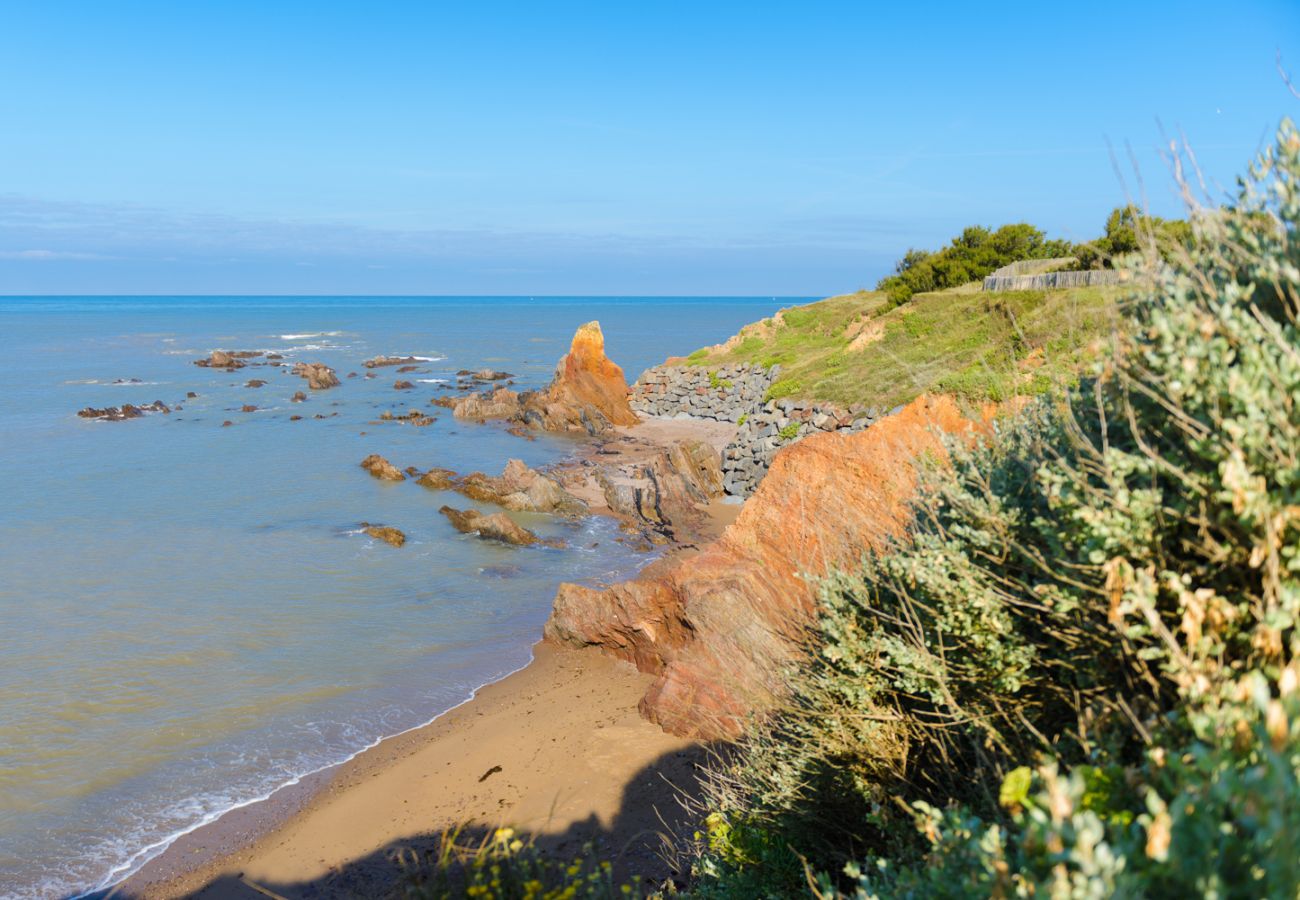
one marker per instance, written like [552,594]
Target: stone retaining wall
[769,427]
[737,393]
[724,393]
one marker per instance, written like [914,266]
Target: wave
[431,380]
[309,334]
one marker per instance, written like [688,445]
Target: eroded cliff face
[589,393]
[718,627]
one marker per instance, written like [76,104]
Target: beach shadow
[640,842]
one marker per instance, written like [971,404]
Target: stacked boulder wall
[589,393]
[718,628]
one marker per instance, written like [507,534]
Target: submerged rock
[381,468]
[298,397]
[496,527]
[401,385]
[319,376]
[254,383]
[385,533]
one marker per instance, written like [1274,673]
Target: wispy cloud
[49,255]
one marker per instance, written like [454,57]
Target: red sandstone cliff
[718,627]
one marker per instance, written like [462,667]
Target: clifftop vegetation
[976,345]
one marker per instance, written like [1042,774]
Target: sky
[786,149]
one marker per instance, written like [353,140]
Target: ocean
[190,616]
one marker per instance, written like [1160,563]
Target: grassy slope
[963,341]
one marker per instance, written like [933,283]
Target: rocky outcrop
[402,385]
[386,533]
[123,412]
[665,493]
[227,359]
[319,376]
[496,527]
[410,417]
[437,479]
[588,393]
[490,375]
[520,488]
[381,361]
[381,468]
[501,403]
[717,628]
[255,383]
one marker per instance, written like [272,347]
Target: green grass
[976,345]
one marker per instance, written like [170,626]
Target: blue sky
[602,148]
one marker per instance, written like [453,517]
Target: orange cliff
[719,628]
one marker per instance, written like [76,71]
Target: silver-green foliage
[1079,674]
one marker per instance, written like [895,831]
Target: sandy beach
[556,751]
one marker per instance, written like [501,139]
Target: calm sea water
[189,617]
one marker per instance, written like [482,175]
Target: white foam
[309,334]
[431,380]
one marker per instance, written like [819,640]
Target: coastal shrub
[970,256]
[717,383]
[1128,230]
[1078,675]
[789,432]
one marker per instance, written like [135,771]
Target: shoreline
[244,823]
[209,859]
[338,829]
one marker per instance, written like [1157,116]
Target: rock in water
[319,376]
[588,393]
[385,533]
[123,412]
[381,361]
[496,527]
[401,385]
[521,488]
[381,468]
[437,479]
